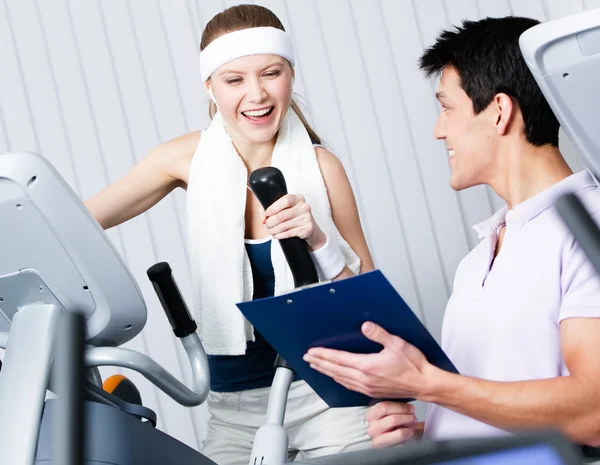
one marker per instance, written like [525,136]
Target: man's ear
[505,110]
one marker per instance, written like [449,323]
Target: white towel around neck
[216,202]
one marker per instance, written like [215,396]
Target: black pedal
[94,393]
[123,388]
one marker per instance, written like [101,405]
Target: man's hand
[391,423]
[568,403]
[400,370]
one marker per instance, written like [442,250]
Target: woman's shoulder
[330,165]
[184,145]
[176,154]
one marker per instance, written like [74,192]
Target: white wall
[93,85]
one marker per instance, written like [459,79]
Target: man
[523,323]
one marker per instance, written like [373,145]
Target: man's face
[470,139]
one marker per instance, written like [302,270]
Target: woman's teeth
[257,113]
[450,153]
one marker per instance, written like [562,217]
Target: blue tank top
[255,369]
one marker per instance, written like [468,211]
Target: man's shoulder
[590,198]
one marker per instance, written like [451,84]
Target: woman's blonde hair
[244,17]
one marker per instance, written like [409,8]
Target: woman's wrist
[317,242]
[328,259]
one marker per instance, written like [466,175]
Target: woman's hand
[392,423]
[291,216]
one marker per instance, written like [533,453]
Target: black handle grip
[268,184]
[581,225]
[170,298]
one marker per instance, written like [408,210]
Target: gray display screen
[527,455]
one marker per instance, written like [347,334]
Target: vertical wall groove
[386,156]
[60,110]
[159,407]
[488,192]
[95,131]
[446,14]
[545,9]
[163,31]
[477,10]
[11,32]
[461,210]
[510,8]
[415,151]
[4,132]
[338,107]
[191,15]
[88,96]
[201,19]
[299,71]
[153,107]
[461,207]
[155,124]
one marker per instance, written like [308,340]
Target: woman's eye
[273,73]
[233,81]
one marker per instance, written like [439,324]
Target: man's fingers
[377,333]
[320,356]
[341,374]
[347,376]
[391,438]
[383,409]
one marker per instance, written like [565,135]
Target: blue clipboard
[331,315]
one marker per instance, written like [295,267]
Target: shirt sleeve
[580,282]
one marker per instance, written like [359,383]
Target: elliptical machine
[56,259]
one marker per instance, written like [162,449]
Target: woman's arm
[152,178]
[343,209]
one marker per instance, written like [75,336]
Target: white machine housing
[51,245]
[54,257]
[564,58]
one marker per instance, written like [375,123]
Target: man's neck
[525,170]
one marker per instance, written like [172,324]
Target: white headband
[251,41]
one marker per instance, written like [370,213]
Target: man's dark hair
[487,58]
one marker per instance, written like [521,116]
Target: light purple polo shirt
[502,324]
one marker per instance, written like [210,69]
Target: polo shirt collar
[532,207]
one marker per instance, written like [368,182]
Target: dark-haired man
[523,323]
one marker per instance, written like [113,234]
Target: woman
[247,67]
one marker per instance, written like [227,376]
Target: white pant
[314,429]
